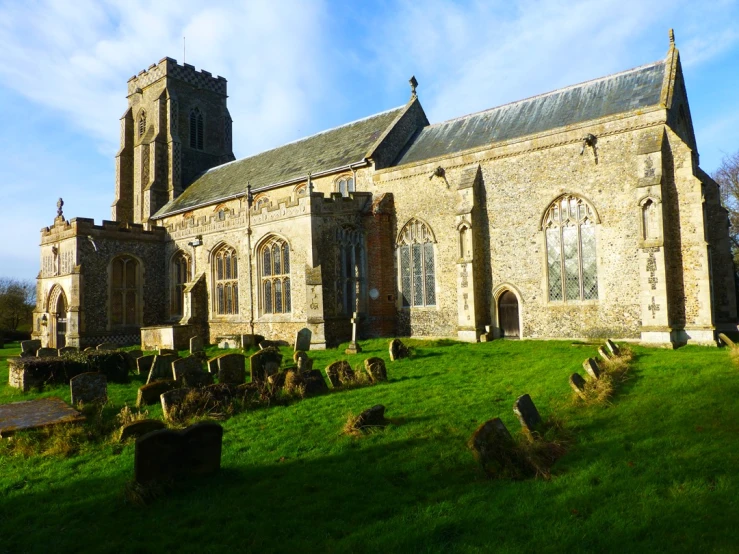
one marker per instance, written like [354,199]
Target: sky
[295,68]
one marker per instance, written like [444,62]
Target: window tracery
[180,275]
[345,185]
[225,281]
[274,256]
[415,247]
[125,283]
[351,267]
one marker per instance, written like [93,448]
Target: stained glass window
[226,281]
[416,265]
[275,276]
[350,268]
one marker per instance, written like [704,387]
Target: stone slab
[143,364]
[32,414]
[397,350]
[492,445]
[186,366]
[161,367]
[47,353]
[339,373]
[314,383]
[30,347]
[149,394]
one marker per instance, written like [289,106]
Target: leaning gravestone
[339,373]
[149,394]
[47,353]
[613,347]
[196,344]
[161,368]
[726,340]
[30,347]
[264,363]
[231,369]
[250,341]
[397,350]
[372,417]
[313,382]
[375,368]
[213,365]
[186,366]
[302,339]
[164,455]
[591,366]
[172,402]
[140,428]
[603,353]
[527,414]
[107,346]
[143,364]
[197,380]
[68,350]
[88,388]
[578,384]
[167,352]
[492,446]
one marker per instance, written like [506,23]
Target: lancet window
[274,256]
[415,247]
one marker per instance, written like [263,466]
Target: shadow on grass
[414,377]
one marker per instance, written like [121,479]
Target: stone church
[578,213]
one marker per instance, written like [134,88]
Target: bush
[112,364]
[42,371]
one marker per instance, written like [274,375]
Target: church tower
[176,126]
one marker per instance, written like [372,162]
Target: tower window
[142,123]
[196,129]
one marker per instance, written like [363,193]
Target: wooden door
[508,315]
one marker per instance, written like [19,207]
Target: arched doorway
[61,321]
[508,315]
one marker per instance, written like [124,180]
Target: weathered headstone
[30,347]
[302,339]
[149,394]
[372,417]
[492,446]
[578,384]
[186,366]
[164,455]
[314,383]
[68,350]
[107,346]
[339,373]
[167,352]
[277,380]
[213,365]
[197,380]
[143,364]
[196,344]
[140,428]
[726,340]
[613,347]
[302,360]
[172,401]
[250,341]
[591,367]
[264,363]
[294,380]
[135,353]
[397,350]
[527,413]
[603,353]
[375,368]
[89,388]
[161,367]
[268,344]
[231,369]
[47,353]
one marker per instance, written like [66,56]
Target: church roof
[622,92]
[332,149]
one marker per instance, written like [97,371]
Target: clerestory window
[415,247]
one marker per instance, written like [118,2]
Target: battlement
[84,226]
[168,67]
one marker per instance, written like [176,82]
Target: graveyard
[652,467]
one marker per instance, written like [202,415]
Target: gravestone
[68,350]
[339,373]
[196,344]
[47,353]
[302,339]
[314,383]
[213,365]
[397,350]
[613,347]
[492,446]
[264,363]
[143,364]
[167,352]
[186,366]
[726,340]
[269,344]
[89,349]
[107,346]
[591,367]
[30,347]
[89,388]
[197,380]
[603,353]
[375,368]
[527,414]
[172,401]
[135,353]
[227,344]
[161,367]
[578,384]
[250,341]
[166,454]
[302,360]
[149,394]
[32,414]
[277,380]
[372,417]
[293,379]
[231,369]
[140,428]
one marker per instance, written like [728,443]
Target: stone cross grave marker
[302,339]
[88,388]
[527,413]
[196,344]
[354,347]
[264,363]
[161,367]
[231,369]
[613,347]
[591,366]
[375,368]
[578,384]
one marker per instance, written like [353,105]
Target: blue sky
[296,68]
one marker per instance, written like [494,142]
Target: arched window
[125,284]
[351,267]
[180,271]
[415,247]
[225,281]
[569,227]
[274,256]
[142,123]
[465,242]
[261,202]
[345,185]
[196,129]
[651,228]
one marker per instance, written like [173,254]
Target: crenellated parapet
[86,227]
[168,67]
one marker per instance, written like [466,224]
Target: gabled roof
[622,92]
[332,149]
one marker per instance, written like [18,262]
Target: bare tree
[17,300]
[727,176]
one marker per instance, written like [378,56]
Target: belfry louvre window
[124,291]
[275,277]
[569,226]
[142,123]
[196,129]
[226,279]
[416,264]
[180,276]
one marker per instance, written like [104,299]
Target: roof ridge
[307,138]
[542,95]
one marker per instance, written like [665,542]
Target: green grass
[653,471]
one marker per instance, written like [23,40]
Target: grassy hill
[653,471]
